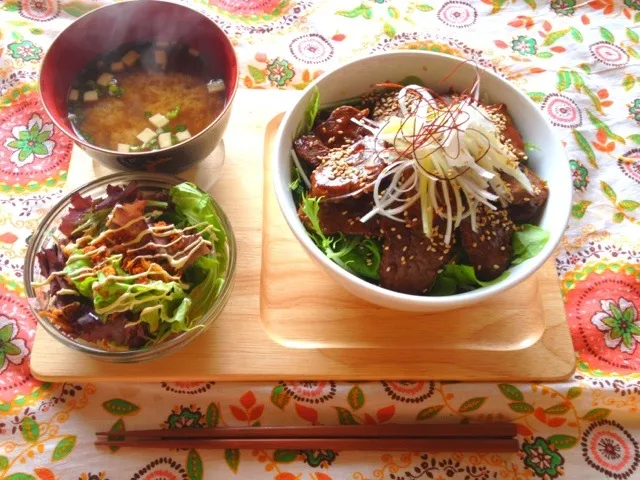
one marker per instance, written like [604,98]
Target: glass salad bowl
[205,304]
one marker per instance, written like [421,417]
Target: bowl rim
[79,140]
[44,230]
[390,297]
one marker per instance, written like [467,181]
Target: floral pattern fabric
[578,61]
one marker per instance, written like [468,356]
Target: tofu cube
[161,58]
[90,96]
[74,95]
[193,52]
[130,58]
[104,79]
[162,44]
[159,120]
[117,67]
[164,140]
[215,86]
[124,148]
[182,136]
[146,135]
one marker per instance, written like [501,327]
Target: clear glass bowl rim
[51,220]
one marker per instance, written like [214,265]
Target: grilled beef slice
[410,261]
[310,149]
[339,130]
[489,249]
[346,171]
[525,206]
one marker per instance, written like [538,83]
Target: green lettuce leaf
[167,317]
[355,253]
[455,278]
[297,186]
[528,241]
[310,114]
[83,286]
[205,275]
[193,207]
[111,296]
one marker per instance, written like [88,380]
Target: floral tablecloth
[578,61]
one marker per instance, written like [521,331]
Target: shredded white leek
[436,151]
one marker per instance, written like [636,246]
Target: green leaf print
[585,147]
[285,456]
[632,52]
[608,191]
[497,5]
[393,12]
[564,80]
[389,30]
[30,429]
[618,217]
[345,417]
[117,427]
[578,209]
[472,404]
[20,476]
[585,68]
[118,406]
[582,87]
[531,3]
[599,124]
[213,415]
[562,442]
[577,36]
[629,205]
[607,35]
[429,412]
[521,407]
[355,397]
[596,414]
[636,17]
[77,9]
[511,392]
[362,10]
[635,138]
[633,36]
[63,448]
[4,462]
[544,55]
[537,97]
[232,457]
[628,81]
[574,392]
[194,466]
[257,74]
[424,8]
[553,37]
[279,397]
[559,409]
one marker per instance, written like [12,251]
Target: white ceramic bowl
[357,77]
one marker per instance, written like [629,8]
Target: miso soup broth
[145,96]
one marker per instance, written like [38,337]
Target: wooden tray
[238,348]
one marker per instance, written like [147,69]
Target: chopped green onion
[148,115]
[180,128]
[173,113]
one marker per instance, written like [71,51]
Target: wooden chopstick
[475,430]
[497,445]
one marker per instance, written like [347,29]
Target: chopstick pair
[492,437]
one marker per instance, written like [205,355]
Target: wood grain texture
[237,347]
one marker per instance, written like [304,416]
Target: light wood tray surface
[530,341]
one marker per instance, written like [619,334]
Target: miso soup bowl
[107,28]
[359,76]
